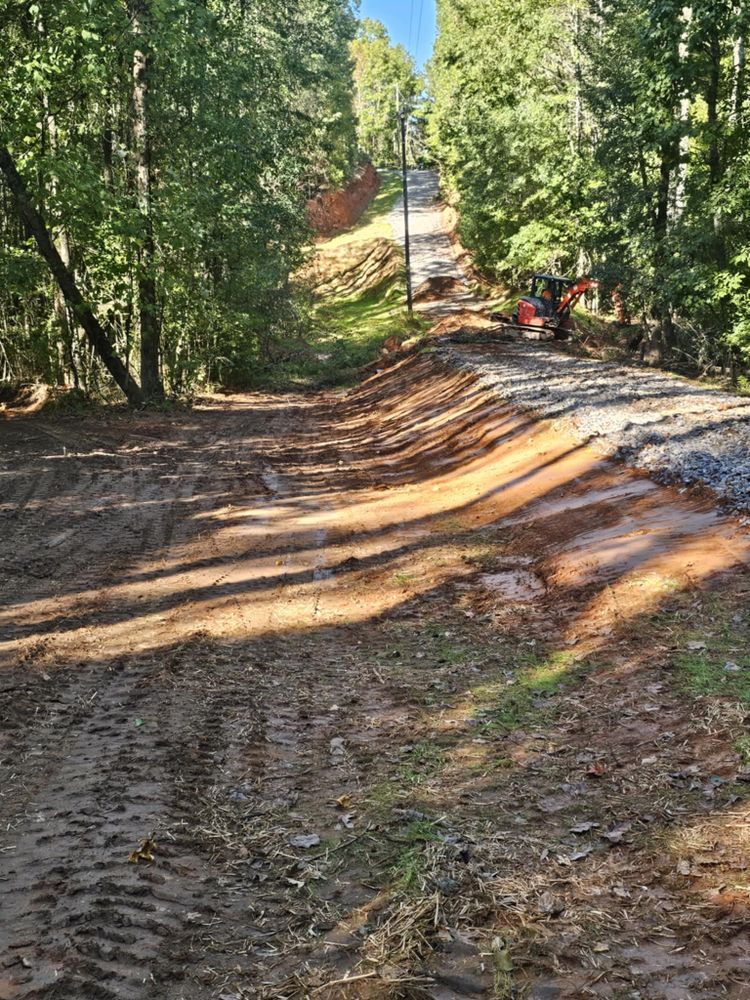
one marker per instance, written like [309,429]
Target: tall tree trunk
[66,367]
[659,327]
[148,314]
[712,101]
[685,104]
[739,63]
[93,329]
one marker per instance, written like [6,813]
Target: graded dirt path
[432,257]
[374,695]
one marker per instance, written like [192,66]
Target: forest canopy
[577,136]
[165,152]
[385,81]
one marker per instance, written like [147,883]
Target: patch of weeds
[382,798]
[423,761]
[705,673]
[447,652]
[69,402]
[403,579]
[721,667]
[409,867]
[511,705]
[742,747]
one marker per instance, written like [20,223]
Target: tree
[579,135]
[385,77]
[169,149]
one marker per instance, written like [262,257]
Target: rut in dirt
[245,649]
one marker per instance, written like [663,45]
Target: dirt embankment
[352,269]
[390,678]
[336,211]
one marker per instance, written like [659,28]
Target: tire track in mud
[79,919]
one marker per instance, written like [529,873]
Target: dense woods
[155,161]
[581,135]
[385,80]
[159,156]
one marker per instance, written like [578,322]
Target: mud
[227,628]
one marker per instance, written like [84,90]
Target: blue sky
[398,16]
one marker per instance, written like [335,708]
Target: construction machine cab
[548,291]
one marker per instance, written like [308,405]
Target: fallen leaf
[305,840]
[600,948]
[347,820]
[143,853]
[648,761]
[615,835]
[683,867]
[597,769]
[584,827]
[581,854]
[696,645]
[344,802]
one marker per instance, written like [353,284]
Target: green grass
[408,868]
[344,336]
[347,334]
[704,673]
[742,747]
[423,762]
[506,707]
[374,223]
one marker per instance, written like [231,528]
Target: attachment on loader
[546,313]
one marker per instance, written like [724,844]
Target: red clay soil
[336,211]
[254,679]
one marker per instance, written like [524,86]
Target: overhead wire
[419,30]
[411,23]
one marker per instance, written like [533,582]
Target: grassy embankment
[347,333]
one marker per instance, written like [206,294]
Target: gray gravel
[675,430]
[431,249]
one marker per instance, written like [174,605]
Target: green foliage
[382,72]
[249,109]
[576,136]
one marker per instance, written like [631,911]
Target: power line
[411,23]
[419,29]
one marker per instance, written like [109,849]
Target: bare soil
[334,212]
[375,695]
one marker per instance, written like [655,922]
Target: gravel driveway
[677,431]
[431,249]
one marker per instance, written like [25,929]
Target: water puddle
[517,585]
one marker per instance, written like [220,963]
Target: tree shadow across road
[283,618]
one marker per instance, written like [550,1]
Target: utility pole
[407,246]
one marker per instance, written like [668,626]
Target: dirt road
[432,254]
[389,687]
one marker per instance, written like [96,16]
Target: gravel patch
[431,248]
[675,430]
